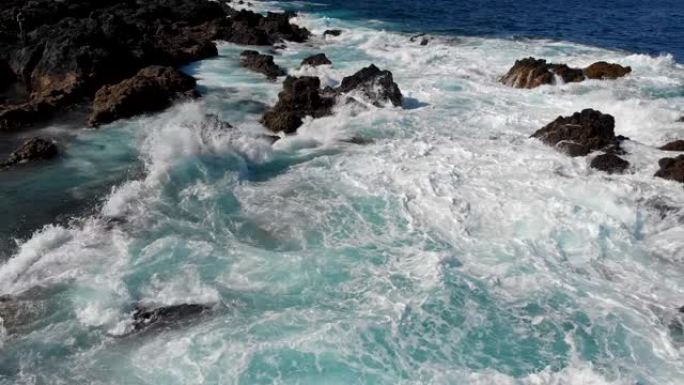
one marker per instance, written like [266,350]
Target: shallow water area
[451,249]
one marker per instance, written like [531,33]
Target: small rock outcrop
[677,145]
[579,134]
[375,84]
[316,60]
[144,318]
[31,150]
[671,168]
[332,32]
[300,97]
[603,70]
[263,64]
[532,72]
[610,163]
[151,89]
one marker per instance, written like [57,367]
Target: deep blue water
[653,27]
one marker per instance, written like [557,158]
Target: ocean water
[453,249]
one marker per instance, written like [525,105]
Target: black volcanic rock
[300,97]
[144,317]
[332,32]
[62,52]
[316,60]
[579,134]
[609,163]
[377,85]
[263,64]
[603,70]
[151,89]
[31,150]
[672,169]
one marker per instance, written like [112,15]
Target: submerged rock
[671,168]
[332,32]
[316,60]
[31,150]
[603,70]
[144,318]
[610,163]
[579,134]
[532,72]
[375,84]
[300,97]
[151,89]
[677,145]
[263,64]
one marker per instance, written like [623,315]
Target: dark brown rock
[603,70]
[580,133]
[31,150]
[610,163]
[144,317]
[375,84]
[263,64]
[151,89]
[531,73]
[300,97]
[671,168]
[316,60]
[677,145]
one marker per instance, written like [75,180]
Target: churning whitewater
[451,249]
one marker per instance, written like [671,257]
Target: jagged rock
[531,73]
[579,134]
[250,28]
[151,89]
[263,64]
[316,60]
[144,317]
[376,85]
[610,163]
[423,39]
[30,150]
[677,145]
[17,314]
[332,32]
[603,70]
[300,97]
[62,52]
[671,168]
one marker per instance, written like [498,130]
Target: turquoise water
[453,249]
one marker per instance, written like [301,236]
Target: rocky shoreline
[120,59]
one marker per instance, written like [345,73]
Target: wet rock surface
[531,73]
[58,53]
[375,84]
[580,133]
[316,60]
[610,163]
[151,89]
[166,316]
[32,150]
[263,64]
[677,145]
[671,169]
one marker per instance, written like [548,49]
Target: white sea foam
[392,259]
